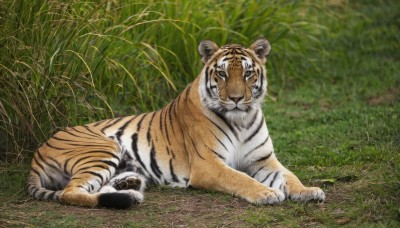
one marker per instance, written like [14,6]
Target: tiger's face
[233,79]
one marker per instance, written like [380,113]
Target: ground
[195,208]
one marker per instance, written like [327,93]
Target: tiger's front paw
[308,194]
[266,196]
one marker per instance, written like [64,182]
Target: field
[333,107]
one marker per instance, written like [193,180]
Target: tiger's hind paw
[128,180]
[128,183]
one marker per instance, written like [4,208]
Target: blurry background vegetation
[333,106]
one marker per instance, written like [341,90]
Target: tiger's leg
[270,172]
[212,174]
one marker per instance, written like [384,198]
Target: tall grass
[71,62]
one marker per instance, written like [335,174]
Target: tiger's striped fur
[212,136]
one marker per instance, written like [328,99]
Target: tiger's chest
[244,143]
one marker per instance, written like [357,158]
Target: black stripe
[236,125]
[171,168]
[80,136]
[170,151]
[269,174]
[51,195]
[220,142]
[153,163]
[170,107]
[86,133]
[66,164]
[166,133]
[111,124]
[226,122]
[118,135]
[149,128]
[227,58]
[161,125]
[139,124]
[90,167]
[86,145]
[261,168]
[229,138]
[98,123]
[186,180]
[91,131]
[264,158]
[35,171]
[41,166]
[79,160]
[86,157]
[206,82]
[34,192]
[177,104]
[252,121]
[107,168]
[94,174]
[256,131]
[166,125]
[94,151]
[135,150]
[80,186]
[261,78]
[51,146]
[195,147]
[188,88]
[257,147]
[220,156]
[109,163]
[121,130]
[273,179]
[44,161]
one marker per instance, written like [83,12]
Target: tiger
[213,136]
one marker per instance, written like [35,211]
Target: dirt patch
[388,98]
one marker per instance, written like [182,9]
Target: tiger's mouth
[238,108]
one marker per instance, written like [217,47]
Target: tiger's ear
[207,48]
[261,47]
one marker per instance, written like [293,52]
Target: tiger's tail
[37,191]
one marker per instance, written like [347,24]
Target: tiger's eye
[222,74]
[247,73]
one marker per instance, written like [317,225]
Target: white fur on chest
[246,148]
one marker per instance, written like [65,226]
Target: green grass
[333,109]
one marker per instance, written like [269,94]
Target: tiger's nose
[236,99]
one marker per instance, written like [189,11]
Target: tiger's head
[233,81]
